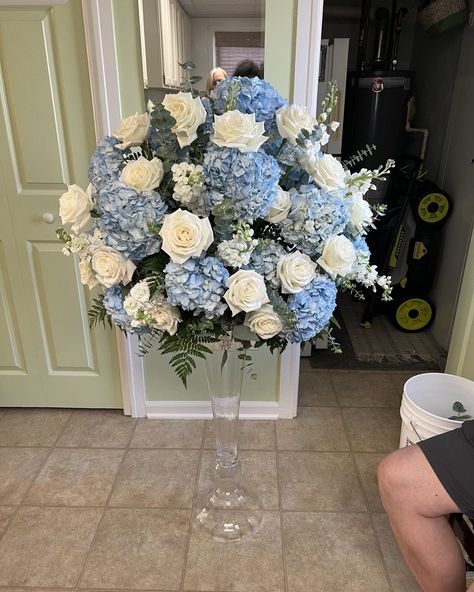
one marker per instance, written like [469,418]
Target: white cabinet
[166,40]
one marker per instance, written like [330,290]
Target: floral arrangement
[220,218]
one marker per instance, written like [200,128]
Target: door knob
[48,218]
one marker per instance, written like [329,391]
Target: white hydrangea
[189,182]
[237,251]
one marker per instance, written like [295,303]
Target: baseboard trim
[202,410]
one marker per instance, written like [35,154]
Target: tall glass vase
[229,510]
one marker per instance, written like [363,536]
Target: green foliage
[167,150]
[62,235]
[234,90]
[360,155]
[185,347]
[459,408]
[188,80]
[98,314]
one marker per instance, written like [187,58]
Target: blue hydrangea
[106,163]
[314,217]
[264,260]
[250,179]
[255,96]
[312,309]
[130,219]
[113,303]
[360,244]
[198,285]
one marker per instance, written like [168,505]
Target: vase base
[228,514]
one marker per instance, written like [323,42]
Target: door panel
[48,354]
[11,349]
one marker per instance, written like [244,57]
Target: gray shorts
[451,456]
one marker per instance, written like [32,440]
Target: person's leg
[418,507]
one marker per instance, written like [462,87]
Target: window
[232,47]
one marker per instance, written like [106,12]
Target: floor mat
[380,348]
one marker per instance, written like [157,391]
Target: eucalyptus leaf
[458,407]
[188,65]
[225,355]
[243,333]
[195,79]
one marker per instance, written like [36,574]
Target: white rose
[141,291]
[132,130]
[295,270]
[328,172]
[185,235]
[338,256]
[75,207]
[189,114]
[238,130]
[87,276]
[280,208]
[111,267]
[292,119]
[264,322]
[360,214]
[246,291]
[143,174]
[166,317]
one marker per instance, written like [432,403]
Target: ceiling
[223,8]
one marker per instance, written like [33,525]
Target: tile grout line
[105,508]
[47,457]
[195,493]
[369,512]
[280,512]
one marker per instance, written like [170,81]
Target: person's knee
[394,476]
[388,475]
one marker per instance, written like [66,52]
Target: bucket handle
[415,430]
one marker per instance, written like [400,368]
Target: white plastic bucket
[427,403]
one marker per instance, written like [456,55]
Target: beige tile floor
[92,500]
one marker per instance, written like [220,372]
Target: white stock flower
[292,119]
[111,267]
[185,235]
[143,174]
[339,256]
[280,208]
[75,207]
[238,130]
[87,275]
[295,270]
[360,214]
[246,291]
[264,322]
[327,172]
[189,114]
[132,130]
[334,125]
[140,291]
[325,137]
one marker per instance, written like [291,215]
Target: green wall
[160,381]
[280,38]
[129,61]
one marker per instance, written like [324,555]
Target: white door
[48,354]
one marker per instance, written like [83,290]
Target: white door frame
[103,69]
